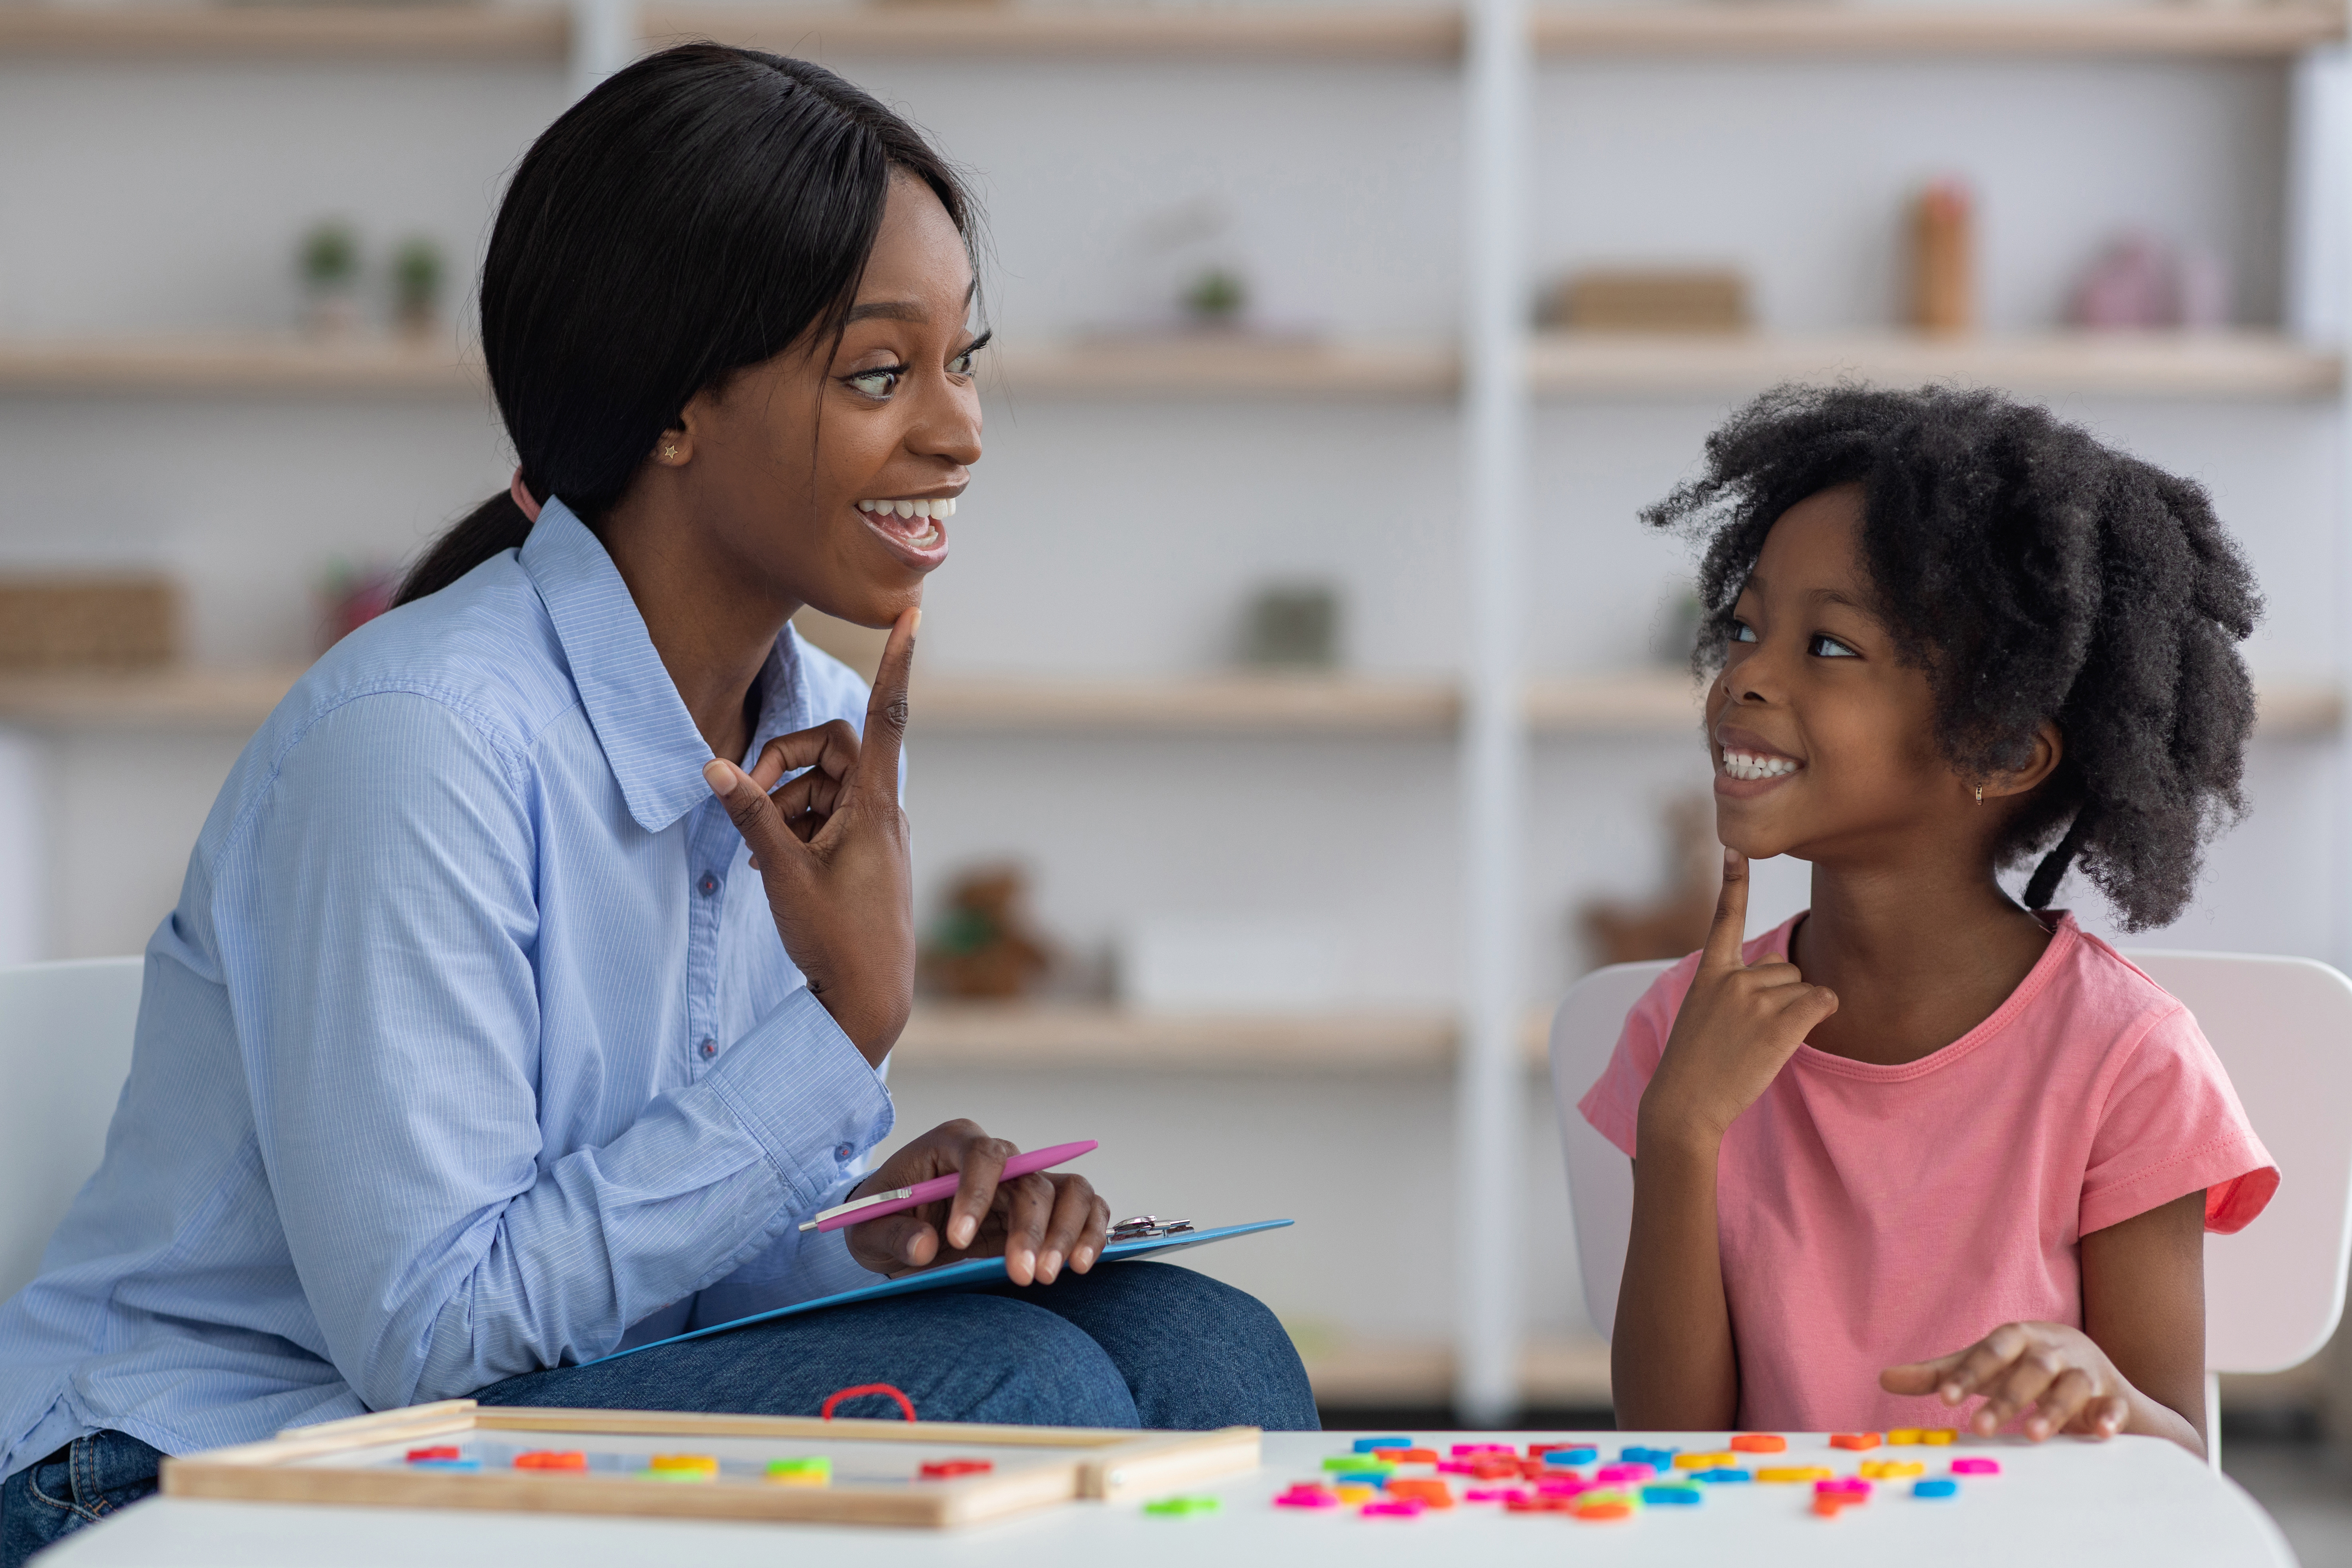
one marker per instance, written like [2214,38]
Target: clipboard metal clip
[1148,1227]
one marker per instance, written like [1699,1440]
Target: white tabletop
[2134,1500]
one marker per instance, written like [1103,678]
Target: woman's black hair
[697,212]
[2038,577]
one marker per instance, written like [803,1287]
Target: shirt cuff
[796,1084]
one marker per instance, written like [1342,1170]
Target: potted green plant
[417,271]
[329,262]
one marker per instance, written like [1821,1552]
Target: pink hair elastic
[521,494]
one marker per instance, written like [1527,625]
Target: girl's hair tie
[521,493]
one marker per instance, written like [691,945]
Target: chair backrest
[2281,1026]
[64,1051]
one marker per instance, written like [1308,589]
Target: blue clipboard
[972,1271]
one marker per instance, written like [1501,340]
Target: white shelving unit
[1493,373]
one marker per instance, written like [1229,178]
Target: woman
[471,1053]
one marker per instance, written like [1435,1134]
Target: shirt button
[709,1049]
[710,884]
[843,1153]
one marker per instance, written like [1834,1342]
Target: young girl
[1921,1156]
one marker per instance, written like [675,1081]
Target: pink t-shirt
[1871,1216]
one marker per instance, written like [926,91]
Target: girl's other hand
[1037,1223]
[2060,1371]
[1739,1024]
[832,850]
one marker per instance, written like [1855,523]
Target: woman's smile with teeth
[1753,765]
[915,524]
[942,507]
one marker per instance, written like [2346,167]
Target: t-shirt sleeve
[1613,1104]
[2171,1125]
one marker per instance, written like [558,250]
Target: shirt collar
[648,737]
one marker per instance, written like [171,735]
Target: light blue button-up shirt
[470,1049]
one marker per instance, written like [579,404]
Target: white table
[2139,1501]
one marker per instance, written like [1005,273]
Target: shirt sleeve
[2171,1125]
[1613,1104]
[388,1021]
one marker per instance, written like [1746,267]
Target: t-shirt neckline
[2065,936]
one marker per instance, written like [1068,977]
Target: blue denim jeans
[79,1484]
[1131,1344]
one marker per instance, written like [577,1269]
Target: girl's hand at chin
[2058,1372]
[1038,1223]
[1738,1026]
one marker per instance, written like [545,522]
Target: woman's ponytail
[491,527]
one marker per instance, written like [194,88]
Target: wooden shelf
[1634,702]
[187,698]
[282,364]
[1223,366]
[1872,28]
[2228,365]
[1266,32]
[2119,364]
[256,365]
[489,33]
[1554,1374]
[540,34]
[1017,1035]
[1239,704]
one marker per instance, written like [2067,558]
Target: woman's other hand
[1738,1025]
[832,850]
[2060,1373]
[1038,1223]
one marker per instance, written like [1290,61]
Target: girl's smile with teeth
[1753,765]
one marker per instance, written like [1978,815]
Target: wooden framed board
[705,1467]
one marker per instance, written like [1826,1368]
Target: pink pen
[938,1187]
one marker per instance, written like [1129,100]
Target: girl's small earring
[1979,794]
[669,455]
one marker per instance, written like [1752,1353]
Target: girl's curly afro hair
[2037,577]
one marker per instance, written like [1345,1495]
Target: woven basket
[87,621]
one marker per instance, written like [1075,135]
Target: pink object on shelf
[1495,1494]
[1465,1451]
[1627,1470]
[1402,1508]
[1975,1466]
[1307,1497]
[1851,1486]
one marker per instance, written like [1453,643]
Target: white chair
[2283,1027]
[64,1051]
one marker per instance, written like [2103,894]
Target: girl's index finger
[876,768]
[1731,928]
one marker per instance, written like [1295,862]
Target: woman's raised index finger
[1730,926]
[886,711]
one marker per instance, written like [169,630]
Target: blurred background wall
[1187,773]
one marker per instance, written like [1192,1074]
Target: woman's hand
[831,848]
[1037,1222]
[1738,1027]
[2058,1371]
